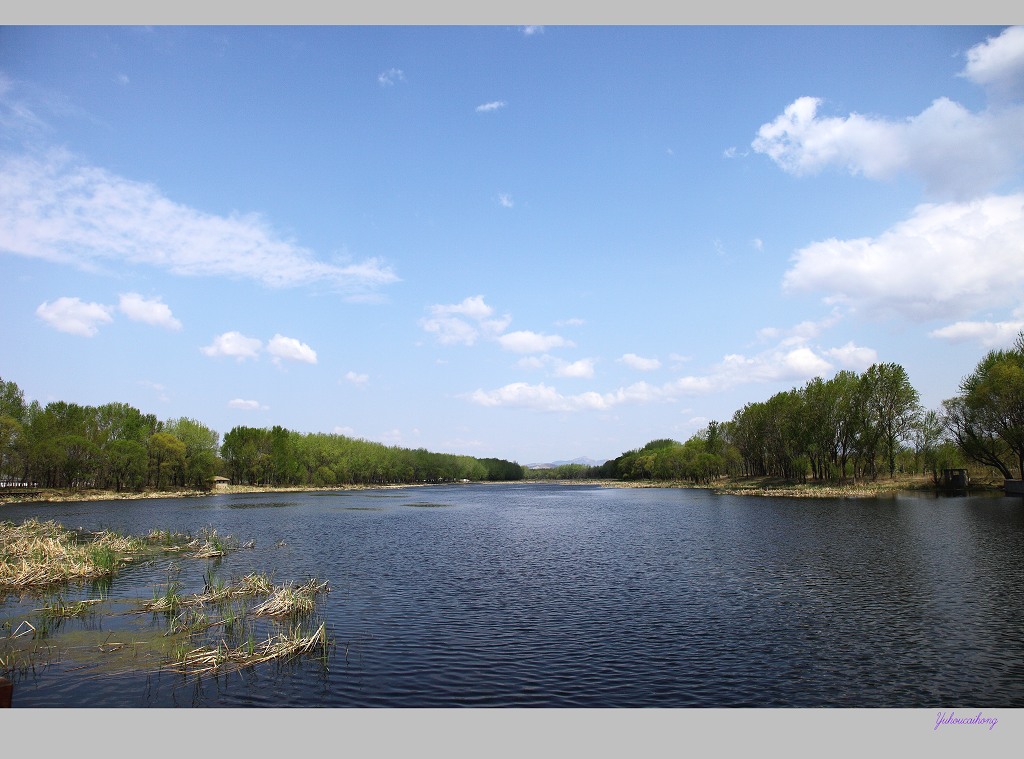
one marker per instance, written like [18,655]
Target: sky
[530,243]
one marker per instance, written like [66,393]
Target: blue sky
[529,243]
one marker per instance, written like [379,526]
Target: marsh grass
[217,590]
[225,658]
[168,602]
[61,609]
[292,600]
[37,553]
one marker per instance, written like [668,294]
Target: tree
[892,407]
[166,456]
[987,417]
[201,443]
[928,434]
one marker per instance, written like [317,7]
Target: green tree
[892,407]
[200,458]
[987,417]
[166,457]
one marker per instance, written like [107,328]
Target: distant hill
[581,460]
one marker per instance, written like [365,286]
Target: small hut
[955,479]
[219,483]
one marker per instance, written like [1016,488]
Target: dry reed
[223,658]
[291,600]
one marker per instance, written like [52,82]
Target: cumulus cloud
[463,323]
[75,317]
[525,341]
[990,334]
[946,259]
[389,77]
[788,361]
[958,154]
[855,357]
[998,64]
[235,345]
[492,106]
[151,311]
[245,405]
[466,322]
[281,347]
[60,210]
[639,363]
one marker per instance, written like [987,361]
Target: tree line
[852,426]
[116,446]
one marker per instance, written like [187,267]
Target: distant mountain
[581,460]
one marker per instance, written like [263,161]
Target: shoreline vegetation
[854,435]
[215,631]
[762,486]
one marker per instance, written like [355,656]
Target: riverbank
[769,486]
[762,486]
[67,495]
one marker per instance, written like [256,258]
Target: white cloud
[289,348]
[998,64]
[958,154]
[359,380]
[59,210]
[573,322]
[492,106]
[855,357]
[245,405]
[525,341]
[389,77]
[233,344]
[639,363]
[346,431]
[800,333]
[73,316]
[796,364]
[757,243]
[538,397]
[150,311]
[990,334]
[786,362]
[531,30]
[462,323]
[122,79]
[584,369]
[947,259]
[506,200]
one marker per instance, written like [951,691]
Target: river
[539,595]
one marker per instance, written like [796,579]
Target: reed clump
[292,600]
[224,658]
[39,553]
[216,591]
[42,553]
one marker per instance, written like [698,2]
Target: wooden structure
[955,479]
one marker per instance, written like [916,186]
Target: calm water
[540,595]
